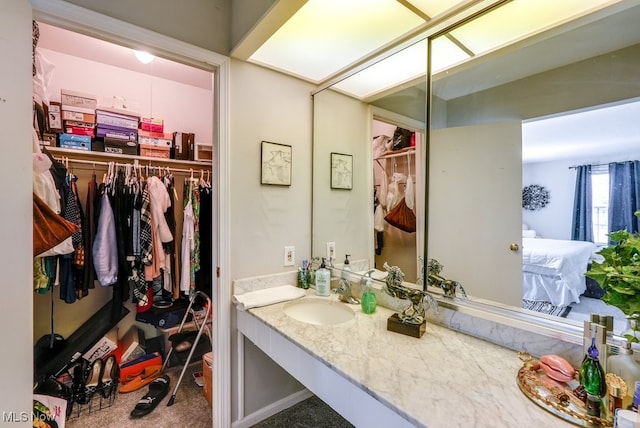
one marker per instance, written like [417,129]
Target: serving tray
[555,397]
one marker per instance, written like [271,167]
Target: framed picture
[341,171]
[276,164]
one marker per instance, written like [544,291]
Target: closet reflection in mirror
[365,128]
[522,115]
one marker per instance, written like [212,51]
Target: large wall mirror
[521,111]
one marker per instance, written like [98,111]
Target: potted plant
[619,275]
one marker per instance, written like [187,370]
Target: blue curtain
[624,195]
[582,229]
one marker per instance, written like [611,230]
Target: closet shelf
[90,156]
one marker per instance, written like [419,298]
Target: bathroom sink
[319,311]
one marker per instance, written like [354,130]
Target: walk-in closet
[122,306]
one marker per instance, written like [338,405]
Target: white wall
[183,107]
[16,370]
[269,106]
[342,216]
[555,220]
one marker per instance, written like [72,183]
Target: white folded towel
[268,296]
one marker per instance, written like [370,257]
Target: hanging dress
[187,247]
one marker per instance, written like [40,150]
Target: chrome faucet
[344,292]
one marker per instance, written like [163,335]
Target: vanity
[374,377]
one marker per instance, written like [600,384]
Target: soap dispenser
[624,365]
[323,280]
[346,268]
[368,301]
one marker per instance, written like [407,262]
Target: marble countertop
[445,378]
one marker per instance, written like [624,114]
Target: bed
[553,269]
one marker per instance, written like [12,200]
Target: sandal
[158,389]
[134,383]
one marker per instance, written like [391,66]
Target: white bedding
[553,269]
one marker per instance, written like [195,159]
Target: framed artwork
[341,171]
[276,164]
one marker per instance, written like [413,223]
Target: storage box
[207,372]
[120,147]
[155,139]
[78,142]
[55,117]
[152,124]
[78,99]
[203,152]
[78,116]
[105,117]
[103,347]
[78,128]
[155,152]
[106,131]
[182,145]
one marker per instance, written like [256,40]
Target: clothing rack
[407,153]
[135,162]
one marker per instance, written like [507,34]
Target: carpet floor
[189,410]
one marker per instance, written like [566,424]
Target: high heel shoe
[79,373]
[110,375]
[94,379]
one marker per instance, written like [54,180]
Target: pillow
[529,233]
[525,226]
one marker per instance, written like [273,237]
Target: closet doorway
[183,96]
[398,201]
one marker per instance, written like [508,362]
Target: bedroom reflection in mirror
[565,124]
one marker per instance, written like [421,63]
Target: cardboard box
[120,147]
[152,124]
[105,117]
[182,145]
[78,100]
[78,116]
[49,139]
[77,142]
[203,152]
[115,132]
[132,340]
[155,152]
[78,128]
[155,139]
[55,117]
[103,347]
[207,371]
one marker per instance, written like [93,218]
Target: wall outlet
[290,256]
[331,251]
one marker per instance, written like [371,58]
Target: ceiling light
[143,57]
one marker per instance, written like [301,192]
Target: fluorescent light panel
[325,36]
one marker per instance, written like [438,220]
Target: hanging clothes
[105,251]
[89,233]
[187,248]
[203,275]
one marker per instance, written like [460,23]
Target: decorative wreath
[534,197]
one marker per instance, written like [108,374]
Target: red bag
[402,217]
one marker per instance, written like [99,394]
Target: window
[600,200]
